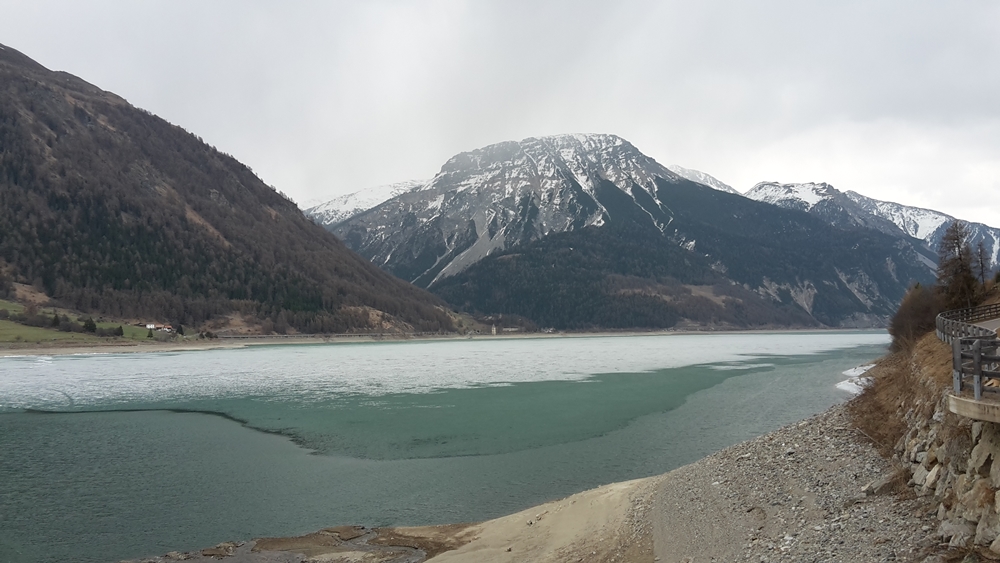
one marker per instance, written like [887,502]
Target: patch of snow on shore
[854,383]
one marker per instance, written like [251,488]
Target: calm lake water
[105,457]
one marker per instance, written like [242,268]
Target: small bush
[915,317]
[4,314]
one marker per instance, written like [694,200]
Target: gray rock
[958,532]
[988,528]
[932,476]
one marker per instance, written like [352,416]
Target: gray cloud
[896,100]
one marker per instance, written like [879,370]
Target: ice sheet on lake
[319,372]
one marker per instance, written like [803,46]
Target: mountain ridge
[851,208]
[483,234]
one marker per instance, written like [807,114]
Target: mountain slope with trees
[108,208]
[729,261]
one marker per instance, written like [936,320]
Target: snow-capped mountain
[494,198]
[586,230]
[845,209]
[702,178]
[337,210]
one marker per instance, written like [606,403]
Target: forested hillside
[108,208]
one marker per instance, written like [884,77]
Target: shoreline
[238,342]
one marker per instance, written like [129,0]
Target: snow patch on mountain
[702,178]
[803,196]
[340,209]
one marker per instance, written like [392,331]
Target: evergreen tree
[955,277]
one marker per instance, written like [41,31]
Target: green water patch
[483,420]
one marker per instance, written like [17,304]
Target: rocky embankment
[952,464]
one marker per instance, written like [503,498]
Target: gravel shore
[796,494]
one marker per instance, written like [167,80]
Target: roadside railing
[975,350]
[957,323]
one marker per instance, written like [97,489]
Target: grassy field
[14,332]
[11,306]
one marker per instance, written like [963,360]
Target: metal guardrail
[975,350]
[958,323]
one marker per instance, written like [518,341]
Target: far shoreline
[248,341]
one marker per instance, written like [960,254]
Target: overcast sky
[895,100]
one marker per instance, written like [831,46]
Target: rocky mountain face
[583,231]
[845,209]
[110,209]
[488,200]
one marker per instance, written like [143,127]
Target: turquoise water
[105,457]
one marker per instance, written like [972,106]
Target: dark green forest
[110,209]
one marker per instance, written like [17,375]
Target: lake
[112,456]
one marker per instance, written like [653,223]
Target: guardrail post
[956,364]
[977,368]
